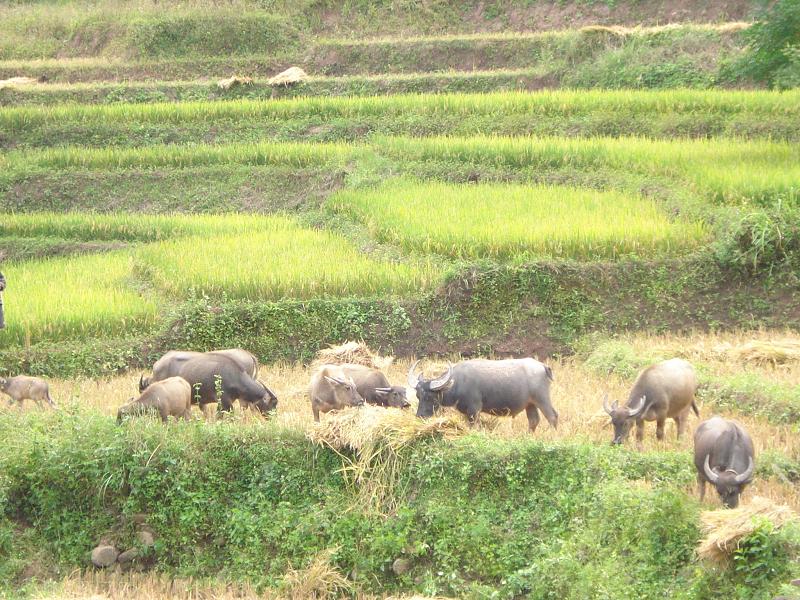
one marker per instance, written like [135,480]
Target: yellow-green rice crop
[516,221]
[281,261]
[69,298]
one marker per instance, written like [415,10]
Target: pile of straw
[353,353]
[318,580]
[773,352]
[12,81]
[231,82]
[725,528]
[378,436]
[288,77]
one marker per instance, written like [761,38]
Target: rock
[796,582]
[139,518]
[104,556]
[145,538]
[401,566]
[127,556]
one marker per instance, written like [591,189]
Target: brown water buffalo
[724,457]
[23,387]
[495,387]
[662,391]
[169,398]
[169,364]
[217,378]
[374,387]
[331,389]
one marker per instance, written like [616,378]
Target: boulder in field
[104,556]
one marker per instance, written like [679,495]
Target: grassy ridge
[657,114]
[516,222]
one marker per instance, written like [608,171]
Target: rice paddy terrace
[567,180]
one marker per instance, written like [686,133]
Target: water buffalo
[217,378]
[331,389]
[724,457]
[22,387]
[374,387]
[496,387]
[169,364]
[661,391]
[171,397]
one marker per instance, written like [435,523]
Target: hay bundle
[288,77]
[233,81]
[319,580]
[773,352]
[378,436]
[725,528]
[353,353]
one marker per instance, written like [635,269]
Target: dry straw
[772,352]
[318,580]
[724,529]
[354,353]
[378,436]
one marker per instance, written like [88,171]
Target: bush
[774,43]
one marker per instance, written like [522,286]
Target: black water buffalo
[331,389]
[724,457]
[495,387]
[661,391]
[169,364]
[169,398]
[217,378]
[374,387]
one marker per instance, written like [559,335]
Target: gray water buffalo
[22,387]
[169,398]
[661,391]
[495,387]
[723,457]
[331,389]
[374,387]
[217,378]
[169,364]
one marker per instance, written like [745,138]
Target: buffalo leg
[639,432]
[681,421]
[660,429]
[163,414]
[315,410]
[701,486]
[533,417]
[472,418]
[187,414]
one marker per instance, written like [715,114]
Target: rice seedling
[74,298]
[515,221]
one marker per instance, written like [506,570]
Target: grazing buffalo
[662,391]
[374,387]
[217,378]
[169,398]
[331,389]
[169,364]
[22,387]
[724,457]
[495,387]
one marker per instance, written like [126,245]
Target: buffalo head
[729,483]
[394,396]
[344,390]
[623,417]
[267,403]
[429,391]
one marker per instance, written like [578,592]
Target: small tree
[774,45]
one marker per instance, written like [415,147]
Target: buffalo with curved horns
[723,457]
[495,387]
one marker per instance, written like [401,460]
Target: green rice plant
[281,261]
[724,171]
[73,298]
[175,156]
[516,221]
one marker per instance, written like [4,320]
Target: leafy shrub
[774,43]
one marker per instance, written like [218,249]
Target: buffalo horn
[606,407]
[635,412]
[748,472]
[413,378]
[712,476]
[383,390]
[441,381]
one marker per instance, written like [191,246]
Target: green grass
[517,222]
[73,298]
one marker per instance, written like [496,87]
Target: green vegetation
[508,517]
[517,222]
